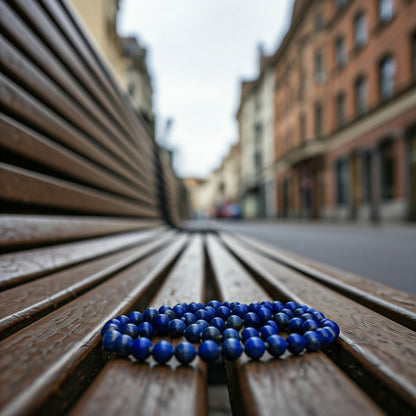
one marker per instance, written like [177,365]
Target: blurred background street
[386,254]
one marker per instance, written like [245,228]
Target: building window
[318,120]
[257,161]
[387,169]
[340,109]
[360,30]
[387,70]
[339,4]
[360,95]
[340,52]
[302,126]
[319,67]
[319,22]
[385,10]
[341,181]
[414,53]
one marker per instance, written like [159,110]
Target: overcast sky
[199,50]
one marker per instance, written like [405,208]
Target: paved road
[386,254]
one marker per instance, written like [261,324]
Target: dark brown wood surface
[24,265]
[38,359]
[378,352]
[393,303]
[29,302]
[307,385]
[30,230]
[127,387]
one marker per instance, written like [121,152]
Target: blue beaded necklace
[220,328]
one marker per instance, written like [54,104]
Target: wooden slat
[307,385]
[39,363]
[126,388]
[395,304]
[23,186]
[383,350]
[24,265]
[25,107]
[28,144]
[30,301]
[26,230]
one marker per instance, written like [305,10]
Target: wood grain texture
[384,350]
[30,301]
[307,385]
[26,230]
[21,266]
[35,361]
[30,145]
[127,387]
[26,187]
[395,304]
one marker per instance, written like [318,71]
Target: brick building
[345,110]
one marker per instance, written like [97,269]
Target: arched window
[361,92]
[385,10]
[360,30]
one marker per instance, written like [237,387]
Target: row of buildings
[328,128]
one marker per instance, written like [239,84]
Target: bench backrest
[70,141]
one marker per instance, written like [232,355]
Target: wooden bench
[87,233]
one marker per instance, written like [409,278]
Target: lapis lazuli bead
[310,325]
[313,340]
[295,325]
[123,345]
[331,324]
[291,305]
[254,347]
[193,307]
[136,317]
[288,312]
[202,314]
[223,312]
[170,314]
[266,331]
[149,314]
[211,312]
[130,329]
[295,343]
[307,316]
[282,320]
[232,348]
[230,333]
[251,320]
[161,324]
[202,323]
[145,329]
[234,322]
[273,324]
[253,307]
[298,312]
[162,351]
[267,304]
[218,323]
[249,332]
[141,348]
[264,314]
[176,328]
[193,333]
[188,318]
[240,310]
[214,303]
[110,340]
[208,351]
[277,306]
[164,308]
[111,326]
[179,310]
[326,336]
[123,319]
[212,333]
[185,352]
[276,345]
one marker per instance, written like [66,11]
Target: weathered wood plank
[27,303]
[310,384]
[25,265]
[37,361]
[26,230]
[126,388]
[378,352]
[23,186]
[28,144]
[395,304]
